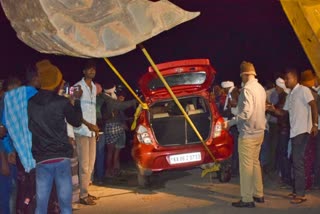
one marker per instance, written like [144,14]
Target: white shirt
[88,106]
[227,99]
[297,103]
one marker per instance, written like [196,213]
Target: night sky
[226,32]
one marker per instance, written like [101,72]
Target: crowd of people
[51,133]
[53,139]
[275,129]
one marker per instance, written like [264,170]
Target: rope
[155,68]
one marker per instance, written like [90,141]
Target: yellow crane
[304,17]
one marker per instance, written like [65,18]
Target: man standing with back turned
[250,122]
[51,149]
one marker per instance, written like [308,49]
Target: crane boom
[304,17]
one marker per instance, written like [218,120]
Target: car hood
[183,76]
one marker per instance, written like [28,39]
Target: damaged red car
[163,139]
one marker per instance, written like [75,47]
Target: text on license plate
[185,158]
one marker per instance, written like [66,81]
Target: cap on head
[280,83]
[227,84]
[49,74]
[247,68]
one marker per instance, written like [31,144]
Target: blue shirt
[6,144]
[1,112]
[15,119]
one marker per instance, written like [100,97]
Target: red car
[163,139]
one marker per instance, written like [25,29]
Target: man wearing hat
[15,117]
[284,132]
[51,149]
[250,122]
[230,110]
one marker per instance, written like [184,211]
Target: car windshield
[194,78]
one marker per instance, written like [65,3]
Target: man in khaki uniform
[250,122]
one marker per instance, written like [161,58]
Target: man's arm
[276,111]
[3,131]
[91,127]
[120,105]
[314,115]
[4,168]
[73,113]
[235,95]
[245,108]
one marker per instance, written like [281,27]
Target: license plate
[185,158]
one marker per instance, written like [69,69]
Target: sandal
[109,174]
[87,201]
[117,172]
[292,195]
[298,200]
[92,197]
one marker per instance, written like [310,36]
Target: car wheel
[224,174]
[144,180]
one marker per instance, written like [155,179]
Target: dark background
[226,32]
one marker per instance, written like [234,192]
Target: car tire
[143,177]
[143,180]
[224,174]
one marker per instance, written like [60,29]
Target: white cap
[227,84]
[280,82]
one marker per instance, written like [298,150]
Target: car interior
[170,126]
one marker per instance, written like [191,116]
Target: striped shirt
[15,119]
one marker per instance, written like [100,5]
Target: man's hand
[314,130]
[12,158]
[77,92]
[72,142]
[3,131]
[93,128]
[270,107]
[4,168]
[225,125]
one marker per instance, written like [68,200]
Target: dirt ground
[184,191]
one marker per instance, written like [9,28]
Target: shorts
[114,133]
[121,142]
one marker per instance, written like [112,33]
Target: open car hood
[184,77]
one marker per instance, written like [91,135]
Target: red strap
[52,161]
